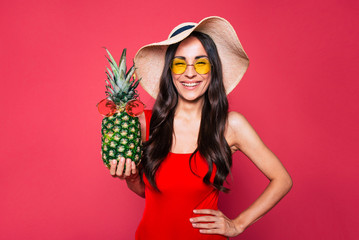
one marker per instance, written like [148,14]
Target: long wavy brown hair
[211,143]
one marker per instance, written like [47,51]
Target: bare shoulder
[236,120]
[142,119]
[237,123]
[239,131]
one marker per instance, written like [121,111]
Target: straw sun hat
[150,59]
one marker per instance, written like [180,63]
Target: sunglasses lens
[178,66]
[106,107]
[202,66]
[134,107]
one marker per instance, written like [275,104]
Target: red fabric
[148,114]
[167,214]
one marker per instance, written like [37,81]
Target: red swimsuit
[166,215]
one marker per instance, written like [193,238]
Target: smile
[192,84]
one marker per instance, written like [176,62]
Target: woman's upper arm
[243,137]
[142,119]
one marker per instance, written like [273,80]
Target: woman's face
[191,85]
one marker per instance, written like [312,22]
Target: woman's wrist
[136,185]
[241,223]
[133,178]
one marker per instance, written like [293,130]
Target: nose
[190,71]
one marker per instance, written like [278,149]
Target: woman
[190,138]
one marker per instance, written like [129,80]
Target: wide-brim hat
[150,59]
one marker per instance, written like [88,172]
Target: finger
[128,167]
[134,169]
[113,167]
[205,225]
[120,167]
[210,231]
[208,211]
[204,219]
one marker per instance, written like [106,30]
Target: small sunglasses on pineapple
[201,65]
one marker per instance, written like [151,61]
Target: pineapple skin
[121,137]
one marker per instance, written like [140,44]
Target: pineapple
[121,134]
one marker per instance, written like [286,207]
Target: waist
[169,217]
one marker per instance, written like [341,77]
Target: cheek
[208,81]
[175,80]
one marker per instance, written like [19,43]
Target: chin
[192,98]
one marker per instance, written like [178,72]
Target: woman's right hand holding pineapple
[116,170]
[131,175]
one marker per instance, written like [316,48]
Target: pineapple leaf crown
[119,86]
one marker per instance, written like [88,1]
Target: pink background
[300,94]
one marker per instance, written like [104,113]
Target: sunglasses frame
[190,65]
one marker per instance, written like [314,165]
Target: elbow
[288,182]
[284,183]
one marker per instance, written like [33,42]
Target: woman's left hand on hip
[215,223]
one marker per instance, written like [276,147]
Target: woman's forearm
[137,186]
[273,193]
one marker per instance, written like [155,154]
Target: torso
[167,214]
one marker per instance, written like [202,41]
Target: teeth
[190,84]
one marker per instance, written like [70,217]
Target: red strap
[148,115]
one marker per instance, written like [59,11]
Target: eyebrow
[201,56]
[197,57]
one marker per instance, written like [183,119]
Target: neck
[189,109]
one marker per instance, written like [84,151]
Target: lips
[190,84]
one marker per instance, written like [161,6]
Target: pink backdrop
[300,94]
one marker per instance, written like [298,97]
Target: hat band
[182,29]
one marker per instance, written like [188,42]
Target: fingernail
[194,211]
[122,159]
[191,219]
[114,162]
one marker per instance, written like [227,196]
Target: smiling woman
[190,136]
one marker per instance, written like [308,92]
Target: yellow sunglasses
[201,65]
